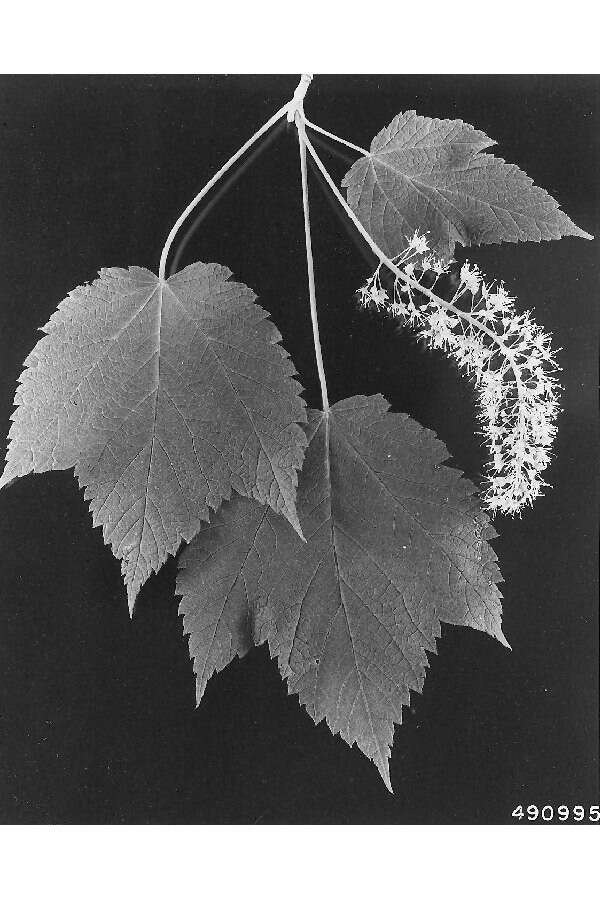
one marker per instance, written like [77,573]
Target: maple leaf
[395,544]
[430,175]
[164,395]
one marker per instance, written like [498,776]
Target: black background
[98,720]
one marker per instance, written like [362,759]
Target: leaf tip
[131,600]
[498,634]
[300,533]
[385,776]
[6,479]
[570,229]
[382,762]
[294,521]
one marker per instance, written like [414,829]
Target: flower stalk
[514,374]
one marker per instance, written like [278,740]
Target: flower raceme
[506,354]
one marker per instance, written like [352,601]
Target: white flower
[418,243]
[470,277]
[439,266]
[397,308]
[378,297]
[499,301]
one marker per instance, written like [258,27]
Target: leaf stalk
[230,162]
[334,137]
[299,121]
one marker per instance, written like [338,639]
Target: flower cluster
[507,354]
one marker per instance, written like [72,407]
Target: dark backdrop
[98,720]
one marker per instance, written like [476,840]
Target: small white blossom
[418,243]
[378,297]
[470,277]
[439,266]
[397,308]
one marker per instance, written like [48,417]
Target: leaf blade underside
[395,545]
[430,175]
[164,396]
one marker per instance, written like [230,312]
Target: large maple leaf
[430,175]
[164,395]
[396,543]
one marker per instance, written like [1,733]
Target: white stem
[309,264]
[334,137]
[297,102]
[191,206]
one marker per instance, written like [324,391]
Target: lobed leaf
[429,175]
[395,544]
[164,395]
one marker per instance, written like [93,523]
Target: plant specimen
[338,536]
